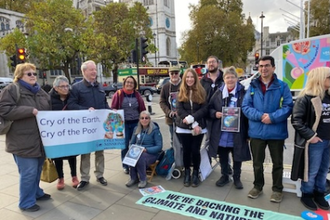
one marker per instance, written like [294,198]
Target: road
[159,117]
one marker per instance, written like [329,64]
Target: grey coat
[23,138]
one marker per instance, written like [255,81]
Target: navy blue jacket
[83,96]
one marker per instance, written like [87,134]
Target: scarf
[225,92]
[34,89]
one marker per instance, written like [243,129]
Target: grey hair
[229,70]
[139,126]
[60,79]
[84,65]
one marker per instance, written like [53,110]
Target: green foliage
[319,14]
[218,29]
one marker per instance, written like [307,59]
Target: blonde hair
[199,94]
[84,65]
[139,127]
[315,82]
[20,68]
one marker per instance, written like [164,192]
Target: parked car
[161,83]
[77,79]
[5,81]
[112,88]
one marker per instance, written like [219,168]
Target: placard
[133,155]
[230,120]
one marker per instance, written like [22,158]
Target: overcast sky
[271,9]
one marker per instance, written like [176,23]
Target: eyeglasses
[129,82]
[174,73]
[212,61]
[64,87]
[30,74]
[144,118]
[266,66]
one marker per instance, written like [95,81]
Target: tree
[319,17]
[218,29]
[116,28]
[55,31]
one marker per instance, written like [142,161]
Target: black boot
[307,201]
[320,200]
[237,182]
[187,178]
[195,179]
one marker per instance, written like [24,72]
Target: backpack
[4,123]
[166,162]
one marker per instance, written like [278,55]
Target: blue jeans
[318,164]
[129,128]
[29,169]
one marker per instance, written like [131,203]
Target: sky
[274,17]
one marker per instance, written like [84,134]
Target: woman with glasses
[132,103]
[23,139]
[147,135]
[191,126]
[59,97]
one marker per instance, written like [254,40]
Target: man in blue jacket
[267,104]
[88,94]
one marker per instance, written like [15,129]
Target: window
[148,2]
[267,51]
[168,46]
[278,43]
[166,3]
[55,72]
[267,43]
[4,23]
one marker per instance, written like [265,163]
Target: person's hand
[91,109]
[218,115]
[35,112]
[185,121]
[144,150]
[265,119]
[315,140]
[172,114]
[197,130]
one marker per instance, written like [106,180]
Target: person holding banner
[132,103]
[233,138]
[89,94]
[191,126]
[147,135]
[59,97]
[23,139]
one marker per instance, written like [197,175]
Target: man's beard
[215,69]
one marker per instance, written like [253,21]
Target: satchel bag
[6,124]
[49,173]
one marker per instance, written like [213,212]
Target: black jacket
[57,103]
[241,146]
[207,84]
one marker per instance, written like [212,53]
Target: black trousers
[224,155]
[59,165]
[191,150]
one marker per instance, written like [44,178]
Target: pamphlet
[230,119]
[173,97]
[133,154]
[152,190]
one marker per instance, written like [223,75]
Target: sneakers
[276,197]
[60,184]
[131,182]
[75,182]
[254,193]
[222,181]
[142,184]
[33,208]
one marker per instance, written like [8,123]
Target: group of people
[196,107]
[262,113]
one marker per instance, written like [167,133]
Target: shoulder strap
[17,92]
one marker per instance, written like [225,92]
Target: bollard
[149,103]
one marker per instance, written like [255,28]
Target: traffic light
[143,48]
[44,75]
[14,61]
[132,58]
[21,55]
[256,58]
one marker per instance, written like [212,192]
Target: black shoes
[82,185]
[33,208]
[307,201]
[102,181]
[320,201]
[238,184]
[126,171]
[195,179]
[43,198]
[222,181]
[187,178]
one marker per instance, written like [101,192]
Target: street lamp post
[262,16]
[155,49]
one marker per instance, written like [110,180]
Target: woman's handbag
[49,173]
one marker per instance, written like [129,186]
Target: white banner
[66,133]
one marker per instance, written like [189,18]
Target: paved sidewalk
[116,201]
